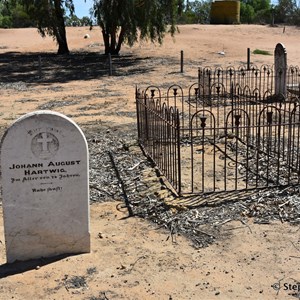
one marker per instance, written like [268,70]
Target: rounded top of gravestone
[42,116]
[45,175]
[43,113]
[280,49]
[44,135]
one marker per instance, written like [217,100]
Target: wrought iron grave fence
[229,132]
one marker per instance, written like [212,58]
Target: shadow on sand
[18,267]
[47,68]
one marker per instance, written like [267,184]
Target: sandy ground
[132,258]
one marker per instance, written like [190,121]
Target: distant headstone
[280,63]
[44,166]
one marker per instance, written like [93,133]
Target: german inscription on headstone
[44,165]
[280,63]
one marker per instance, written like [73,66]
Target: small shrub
[261,52]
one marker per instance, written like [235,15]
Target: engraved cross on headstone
[45,140]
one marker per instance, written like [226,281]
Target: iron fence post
[137,113]
[178,151]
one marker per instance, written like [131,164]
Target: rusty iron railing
[229,132]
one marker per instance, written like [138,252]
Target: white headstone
[44,166]
[280,63]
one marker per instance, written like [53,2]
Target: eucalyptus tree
[49,18]
[127,21]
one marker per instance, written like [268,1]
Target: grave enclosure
[44,166]
[235,129]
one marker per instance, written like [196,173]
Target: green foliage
[247,13]
[6,22]
[74,21]
[127,21]
[13,15]
[296,17]
[20,17]
[258,4]
[196,12]
[255,11]
[285,11]
[261,11]
[85,21]
[264,16]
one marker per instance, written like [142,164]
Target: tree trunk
[111,44]
[60,29]
[121,40]
[113,41]
[105,36]
[62,44]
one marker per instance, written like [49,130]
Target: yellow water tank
[225,12]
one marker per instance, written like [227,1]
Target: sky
[82,8]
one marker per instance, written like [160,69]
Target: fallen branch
[135,166]
[133,264]
[243,222]
[127,202]
[101,190]
[295,246]
[205,233]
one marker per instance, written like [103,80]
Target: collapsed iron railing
[230,132]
